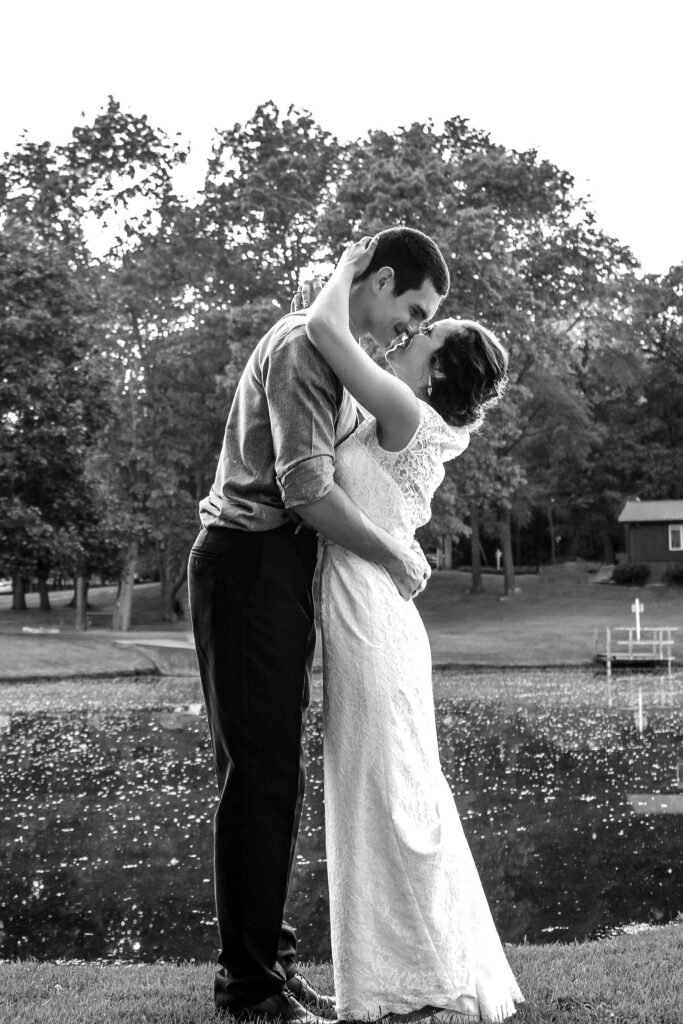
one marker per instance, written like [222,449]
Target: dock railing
[632,645]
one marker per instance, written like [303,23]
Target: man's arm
[301,393]
[336,517]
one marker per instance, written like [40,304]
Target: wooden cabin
[654,534]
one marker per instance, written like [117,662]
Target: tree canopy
[118,371]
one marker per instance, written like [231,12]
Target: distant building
[654,533]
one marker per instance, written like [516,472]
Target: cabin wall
[649,542]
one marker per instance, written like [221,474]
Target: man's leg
[252,614]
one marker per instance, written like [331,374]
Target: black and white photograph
[341,513]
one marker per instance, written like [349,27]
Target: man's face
[390,315]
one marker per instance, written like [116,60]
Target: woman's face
[412,357]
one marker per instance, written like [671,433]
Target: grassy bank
[631,978]
[549,621]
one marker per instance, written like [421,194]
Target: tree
[525,257]
[55,397]
[187,303]
[267,184]
[51,389]
[658,323]
[628,376]
[120,371]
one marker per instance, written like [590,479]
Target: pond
[107,795]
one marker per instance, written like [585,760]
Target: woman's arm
[389,400]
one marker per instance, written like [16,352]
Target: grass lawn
[631,978]
[550,620]
[101,599]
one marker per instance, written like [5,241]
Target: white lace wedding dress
[410,922]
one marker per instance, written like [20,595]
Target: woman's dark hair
[468,375]
[414,258]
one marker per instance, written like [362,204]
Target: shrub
[674,573]
[631,574]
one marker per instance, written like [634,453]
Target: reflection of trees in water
[559,850]
[108,826]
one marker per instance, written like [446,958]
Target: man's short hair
[413,256]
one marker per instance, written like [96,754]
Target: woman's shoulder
[452,441]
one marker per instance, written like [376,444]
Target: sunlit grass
[117,693]
[633,978]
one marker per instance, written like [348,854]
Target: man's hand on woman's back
[305,294]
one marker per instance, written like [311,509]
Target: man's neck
[354,314]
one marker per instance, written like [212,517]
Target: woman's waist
[405,536]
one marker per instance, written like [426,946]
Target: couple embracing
[322,442]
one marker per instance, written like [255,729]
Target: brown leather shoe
[280,1007]
[305,994]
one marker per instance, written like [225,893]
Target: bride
[411,928]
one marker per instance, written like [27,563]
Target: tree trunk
[505,534]
[573,548]
[551,528]
[169,586]
[477,580]
[18,593]
[81,602]
[518,545]
[86,587]
[180,582]
[607,549]
[124,601]
[44,594]
[447,551]
[167,613]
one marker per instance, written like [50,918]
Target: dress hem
[432,1010]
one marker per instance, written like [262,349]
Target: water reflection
[106,822]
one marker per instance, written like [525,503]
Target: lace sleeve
[452,441]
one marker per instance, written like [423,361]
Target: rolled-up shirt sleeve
[303,401]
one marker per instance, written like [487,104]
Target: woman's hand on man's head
[358,255]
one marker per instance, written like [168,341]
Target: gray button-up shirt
[288,414]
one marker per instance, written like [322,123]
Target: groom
[250,578]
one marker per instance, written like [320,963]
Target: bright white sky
[593,85]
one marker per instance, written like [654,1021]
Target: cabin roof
[652,512]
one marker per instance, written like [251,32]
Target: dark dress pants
[252,616]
